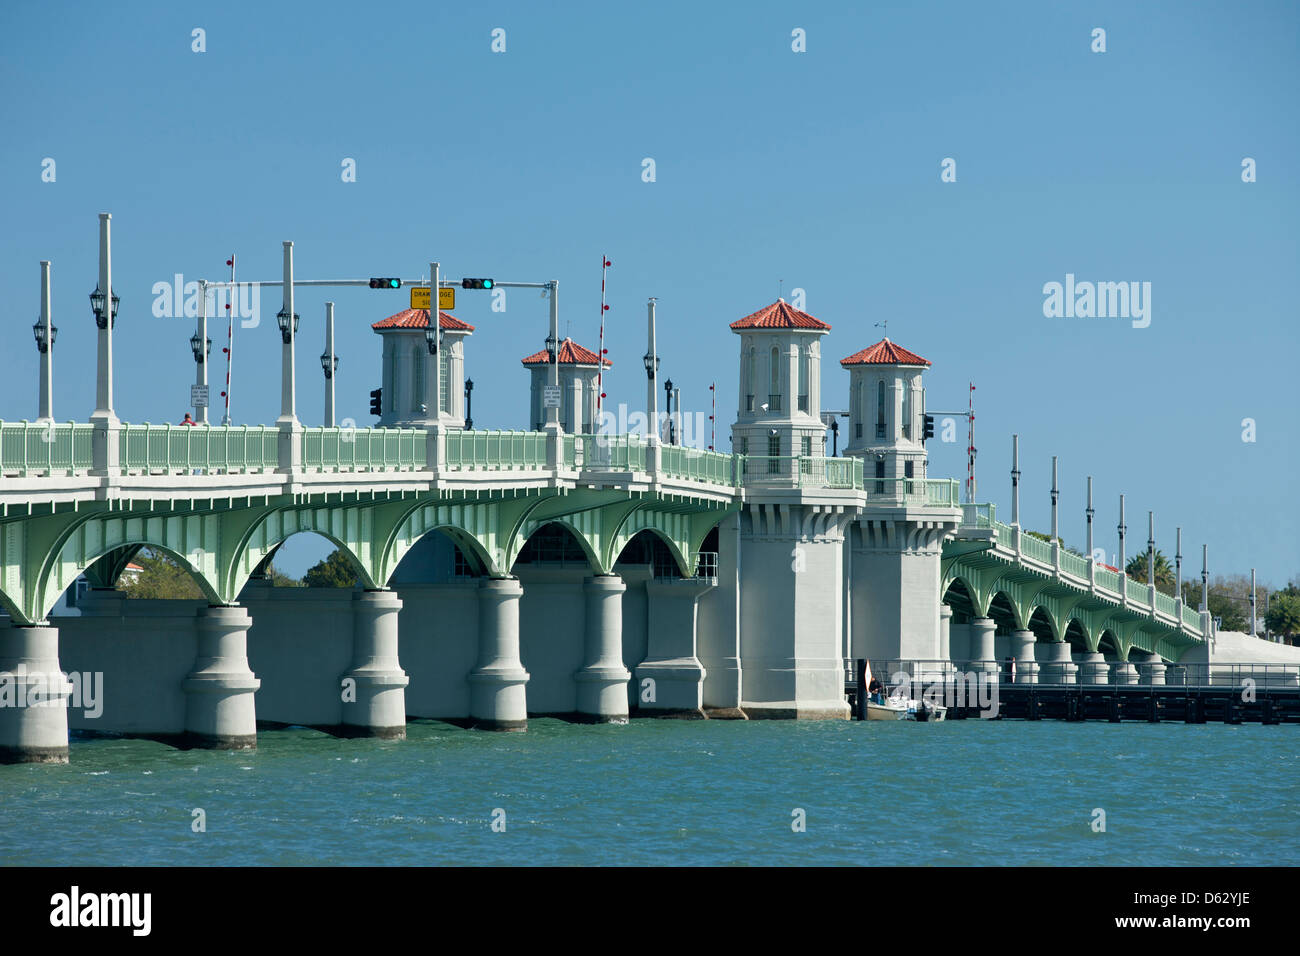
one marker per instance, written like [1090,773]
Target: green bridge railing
[494,450]
[168,449]
[32,449]
[364,449]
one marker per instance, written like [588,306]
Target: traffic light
[476,283]
[376,401]
[385,283]
[929,428]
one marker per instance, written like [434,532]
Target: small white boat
[901,708]
[892,709]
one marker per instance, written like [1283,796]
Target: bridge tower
[895,545]
[887,413]
[791,537]
[407,366]
[578,374]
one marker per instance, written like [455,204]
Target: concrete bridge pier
[945,632]
[1058,668]
[602,680]
[983,659]
[670,681]
[33,696]
[1122,672]
[1093,669]
[1152,669]
[1022,649]
[374,703]
[497,685]
[219,710]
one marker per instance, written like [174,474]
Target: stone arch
[1005,612]
[540,527]
[1041,623]
[479,527]
[958,595]
[193,540]
[655,536]
[347,528]
[1078,636]
[1111,647]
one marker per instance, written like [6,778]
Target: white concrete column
[497,684]
[219,711]
[982,655]
[1152,669]
[1058,667]
[945,632]
[1022,649]
[1093,668]
[1122,672]
[47,354]
[374,688]
[33,696]
[602,681]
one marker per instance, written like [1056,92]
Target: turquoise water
[675,792]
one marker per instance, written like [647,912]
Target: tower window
[907,409]
[773,452]
[880,409]
[880,473]
[774,382]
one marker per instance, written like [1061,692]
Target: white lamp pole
[104,413]
[45,343]
[329,364]
[201,355]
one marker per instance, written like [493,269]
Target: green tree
[162,577]
[1284,613]
[1048,538]
[336,571]
[281,580]
[1136,569]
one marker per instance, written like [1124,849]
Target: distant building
[578,373]
[407,363]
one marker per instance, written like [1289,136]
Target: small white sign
[199,396]
[550,396]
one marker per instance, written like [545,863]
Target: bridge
[532,572]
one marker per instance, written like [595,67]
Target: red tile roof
[419,319]
[884,352]
[571,353]
[780,315]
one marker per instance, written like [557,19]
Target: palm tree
[1136,569]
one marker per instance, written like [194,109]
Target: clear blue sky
[819,168]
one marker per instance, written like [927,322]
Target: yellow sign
[420,297]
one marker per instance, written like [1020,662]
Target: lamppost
[835,438]
[651,362]
[329,362]
[105,305]
[469,407]
[668,410]
[45,332]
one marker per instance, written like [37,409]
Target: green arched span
[348,527]
[187,538]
